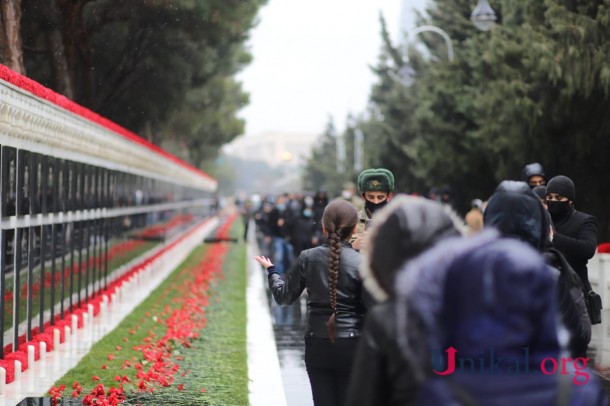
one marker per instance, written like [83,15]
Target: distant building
[274,148]
[284,152]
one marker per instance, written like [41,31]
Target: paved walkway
[282,331]
[264,371]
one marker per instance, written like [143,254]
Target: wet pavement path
[289,332]
[289,329]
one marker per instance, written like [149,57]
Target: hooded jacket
[516,211]
[401,231]
[492,301]
[532,169]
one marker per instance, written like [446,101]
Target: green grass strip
[217,361]
[213,371]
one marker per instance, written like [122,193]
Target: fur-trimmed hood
[402,230]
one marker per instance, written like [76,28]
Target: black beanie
[563,186]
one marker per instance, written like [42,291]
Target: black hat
[531,170]
[563,186]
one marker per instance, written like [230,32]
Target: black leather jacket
[311,272]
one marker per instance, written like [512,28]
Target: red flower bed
[18,356]
[47,338]
[159,231]
[9,366]
[24,348]
[158,366]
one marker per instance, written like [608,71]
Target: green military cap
[376,180]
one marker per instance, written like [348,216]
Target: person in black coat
[303,231]
[517,212]
[575,233]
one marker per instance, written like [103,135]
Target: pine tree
[535,88]
[162,69]
[321,171]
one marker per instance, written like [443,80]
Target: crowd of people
[409,303]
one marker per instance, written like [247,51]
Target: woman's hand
[359,242]
[264,261]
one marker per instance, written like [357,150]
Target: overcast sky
[311,61]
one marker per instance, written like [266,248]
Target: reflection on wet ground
[289,328]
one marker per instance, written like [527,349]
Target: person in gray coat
[404,229]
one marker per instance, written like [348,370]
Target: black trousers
[329,366]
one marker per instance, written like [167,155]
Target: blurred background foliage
[535,88]
[163,69]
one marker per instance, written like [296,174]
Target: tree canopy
[163,69]
[532,89]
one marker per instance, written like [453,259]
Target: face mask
[558,209]
[373,207]
[346,194]
[307,213]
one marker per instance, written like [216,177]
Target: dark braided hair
[339,219]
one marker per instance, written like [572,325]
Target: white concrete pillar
[17,371]
[56,338]
[43,358]
[2,380]
[90,310]
[67,337]
[74,320]
[31,355]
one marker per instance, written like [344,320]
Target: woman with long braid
[336,303]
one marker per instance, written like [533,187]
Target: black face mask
[373,207]
[558,209]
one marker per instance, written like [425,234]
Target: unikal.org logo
[490,363]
